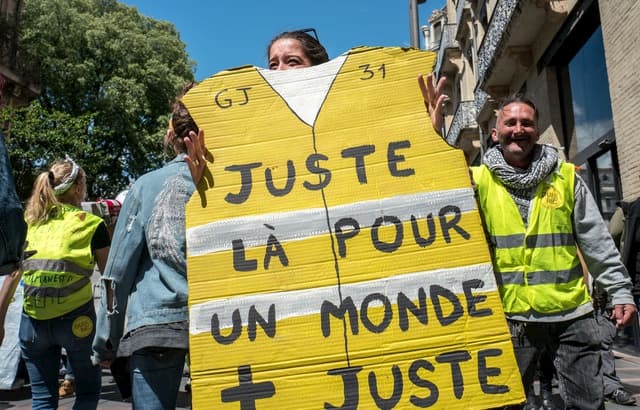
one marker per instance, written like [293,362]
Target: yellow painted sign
[336,256]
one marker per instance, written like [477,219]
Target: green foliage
[109,76]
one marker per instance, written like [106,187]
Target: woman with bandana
[58,310]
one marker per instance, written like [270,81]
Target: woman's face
[286,54]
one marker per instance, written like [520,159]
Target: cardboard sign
[336,258]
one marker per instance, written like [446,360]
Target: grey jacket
[600,255]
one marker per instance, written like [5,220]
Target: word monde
[447,306]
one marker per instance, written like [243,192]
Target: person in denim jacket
[143,313]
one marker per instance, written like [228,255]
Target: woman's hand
[195,157]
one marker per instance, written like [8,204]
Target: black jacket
[13,229]
[631,241]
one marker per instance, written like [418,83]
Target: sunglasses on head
[311,32]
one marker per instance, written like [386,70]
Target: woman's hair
[52,189]
[312,48]
[180,124]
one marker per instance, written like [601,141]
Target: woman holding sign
[295,49]
[288,50]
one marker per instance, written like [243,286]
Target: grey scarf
[522,183]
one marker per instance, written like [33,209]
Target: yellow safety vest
[57,279]
[537,268]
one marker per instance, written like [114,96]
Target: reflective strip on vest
[550,240]
[53,265]
[539,278]
[40,291]
[534,241]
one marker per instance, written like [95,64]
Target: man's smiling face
[517,133]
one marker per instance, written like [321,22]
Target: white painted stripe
[296,225]
[309,301]
[315,80]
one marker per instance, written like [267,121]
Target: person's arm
[434,99]
[601,255]
[6,294]
[101,258]
[118,278]
[100,245]
[616,226]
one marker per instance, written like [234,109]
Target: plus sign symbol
[247,392]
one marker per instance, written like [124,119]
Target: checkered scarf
[522,183]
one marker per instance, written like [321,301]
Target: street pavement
[628,370]
[110,398]
[627,367]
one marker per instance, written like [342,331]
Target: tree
[109,76]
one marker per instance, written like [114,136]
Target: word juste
[416,388]
[313,164]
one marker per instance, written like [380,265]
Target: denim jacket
[146,269]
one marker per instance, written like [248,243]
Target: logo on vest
[552,198]
[82,326]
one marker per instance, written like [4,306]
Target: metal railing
[464,118]
[447,42]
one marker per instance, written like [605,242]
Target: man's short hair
[519,98]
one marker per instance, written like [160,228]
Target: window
[590,92]
[583,87]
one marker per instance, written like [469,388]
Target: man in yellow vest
[538,213]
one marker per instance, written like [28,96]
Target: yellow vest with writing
[57,279]
[537,267]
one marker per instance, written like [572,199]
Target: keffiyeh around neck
[545,158]
[522,183]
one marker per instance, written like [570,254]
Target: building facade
[19,74]
[574,58]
